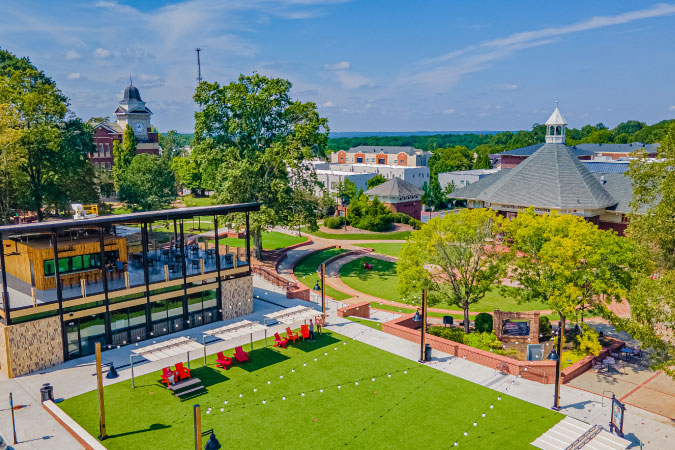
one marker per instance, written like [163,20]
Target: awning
[167,349]
[294,314]
[237,329]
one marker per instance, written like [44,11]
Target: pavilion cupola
[555,127]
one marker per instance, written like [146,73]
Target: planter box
[358,310]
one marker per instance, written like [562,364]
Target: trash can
[427,352]
[47,392]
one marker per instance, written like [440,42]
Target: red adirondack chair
[278,342]
[183,373]
[240,355]
[304,332]
[291,335]
[223,361]
[166,373]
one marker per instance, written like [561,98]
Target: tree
[346,191]
[50,143]
[327,204]
[569,263]
[256,139]
[10,158]
[148,183]
[456,258]
[123,155]
[376,181]
[482,161]
[186,173]
[170,144]
[651,227]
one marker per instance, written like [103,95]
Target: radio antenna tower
[199,67]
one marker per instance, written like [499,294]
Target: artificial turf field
[415,407]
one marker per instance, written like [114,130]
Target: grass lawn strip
[384,248]
[271,240]
[363,415]
[305,271]
[366,322]
[386,236]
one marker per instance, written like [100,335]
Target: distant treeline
[630,131]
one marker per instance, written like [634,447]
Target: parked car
[3,444]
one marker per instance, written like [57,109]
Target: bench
[186,384]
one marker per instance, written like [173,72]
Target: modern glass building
[118,280]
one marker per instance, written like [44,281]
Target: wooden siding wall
[19,265]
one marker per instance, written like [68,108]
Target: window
[49,267]
[78,263]
[359,159]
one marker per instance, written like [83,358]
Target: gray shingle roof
[606,167]
[553,177]
[394,188]
[530,149]
[620,188]
[389,149]
[618,148]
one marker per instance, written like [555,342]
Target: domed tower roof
[131,93]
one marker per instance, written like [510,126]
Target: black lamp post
[317,287]
[423,318]
[556,356]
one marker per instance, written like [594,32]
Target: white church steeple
[555,127]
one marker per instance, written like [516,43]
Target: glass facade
[123,279]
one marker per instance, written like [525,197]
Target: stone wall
[30,346]
[237,296]
[539,371]
[358,309]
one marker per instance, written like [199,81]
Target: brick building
[382,155]
[131,111]
[399,196]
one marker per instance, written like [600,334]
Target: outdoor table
[627,351]
[610,362]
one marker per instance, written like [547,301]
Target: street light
[556,356]
[423,318]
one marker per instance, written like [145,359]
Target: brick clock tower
[133,112]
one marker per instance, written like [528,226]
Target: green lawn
[386,236]
[191,200]
[370,414]
[381,280]
[305,270]
[271,240]
[366,322]
[385,248]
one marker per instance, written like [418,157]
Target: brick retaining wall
[358,310]
[539,371]
[586,363]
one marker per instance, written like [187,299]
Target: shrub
[545,329]
[483,323]
[588,340]
[333,222]
[451,334]
[483,341]
[415,224]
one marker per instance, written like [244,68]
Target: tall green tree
[171,144]
[123,155]
[255,138]
[376,181]
[50,141]
[569,263]
[456,258]
[148,183]
[652,227]
[11,157]
[186,173]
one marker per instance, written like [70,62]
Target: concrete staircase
[572,434]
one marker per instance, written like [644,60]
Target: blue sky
[378,65]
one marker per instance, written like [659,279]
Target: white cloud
[328,104]
[445,70]
[74,76]
[72,54]
[351,80]
[342,65]
[449,111]
[671,108]
[509,87]
[101,53]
